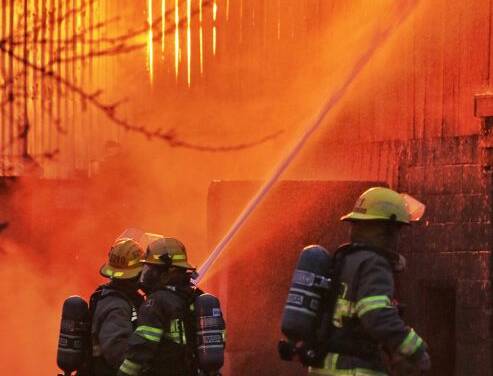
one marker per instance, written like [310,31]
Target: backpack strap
[322,345]
[188,294]
[105,290]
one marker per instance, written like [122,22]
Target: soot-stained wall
[446,287]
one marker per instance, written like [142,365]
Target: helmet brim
[354,216]
[117,273]
[180,264]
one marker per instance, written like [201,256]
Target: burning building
[115,116]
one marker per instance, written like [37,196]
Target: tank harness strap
[93,302]
[309,279]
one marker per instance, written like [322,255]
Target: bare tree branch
[115,45]
[110,110]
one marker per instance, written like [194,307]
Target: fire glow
[189,42]
[163,26]
[182,20]
[150,44]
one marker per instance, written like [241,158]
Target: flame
[201,39]
[241,21]
[150,48]
[163,26]
[177,38]
[189,42]
[227,10]
[279,20]
[214,32]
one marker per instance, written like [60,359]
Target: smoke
[61,230]
[30,320]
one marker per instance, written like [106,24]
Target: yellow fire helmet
[123,260]
[167,252]
[384,204]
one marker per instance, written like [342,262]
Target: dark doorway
[438,313]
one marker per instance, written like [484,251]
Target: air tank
[73,343]
[304,306]
[210,333]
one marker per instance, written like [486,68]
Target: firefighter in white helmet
[365,319]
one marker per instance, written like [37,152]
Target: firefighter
[162,343]
[365,319]
[114,306]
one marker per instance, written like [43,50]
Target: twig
[110,111]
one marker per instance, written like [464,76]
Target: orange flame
[279,20]
[189,42]
[201,39]
[214,32]
[177,38]
[241,21]
[163,26]
[150,49]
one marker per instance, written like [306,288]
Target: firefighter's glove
[308,357]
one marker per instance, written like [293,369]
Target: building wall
[449,253]
[447,287]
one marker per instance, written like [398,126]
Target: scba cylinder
[210,333]
[74,334]
[303,309]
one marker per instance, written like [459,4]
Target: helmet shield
[415,208]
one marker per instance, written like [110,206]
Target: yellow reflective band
[371,303]
[331,361]
[330,369]
[118,274]
[344,308]
[150,329]
[130,368]
[178,257]
[149,333]
[410,344]
[177,332]
[344,372]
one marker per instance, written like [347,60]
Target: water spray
[378,40]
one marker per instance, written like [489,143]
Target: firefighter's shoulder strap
[335,274]
[326,325]
[103,291]
[363,350]
[189,294]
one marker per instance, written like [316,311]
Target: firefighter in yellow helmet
[114,306]
[161,343]
[365,319]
